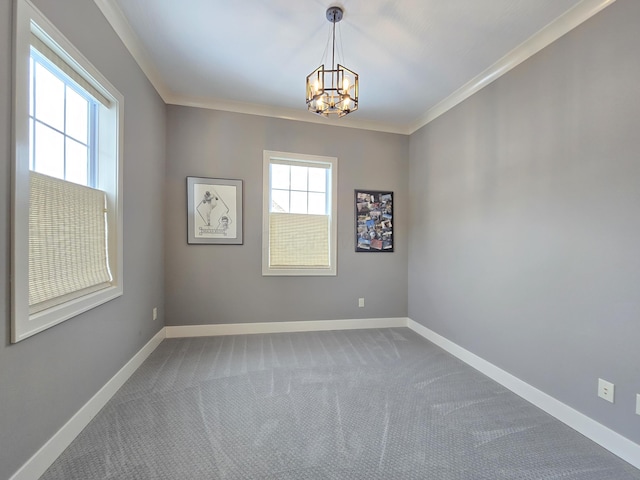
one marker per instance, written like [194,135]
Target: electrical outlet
[638,404]
[155,313]
[361,302]
[605,390]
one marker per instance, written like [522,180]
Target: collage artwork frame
[374,221]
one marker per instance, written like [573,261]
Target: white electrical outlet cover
[638,404]
[606,390]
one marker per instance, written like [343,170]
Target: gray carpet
[366,404]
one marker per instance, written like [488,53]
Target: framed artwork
[374,221]
[214,211]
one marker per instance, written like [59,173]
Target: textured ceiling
[254,55]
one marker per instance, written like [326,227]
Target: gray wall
[525,231]
[47,378]
[213,284]
[522,242]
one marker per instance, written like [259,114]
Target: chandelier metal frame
[333,91]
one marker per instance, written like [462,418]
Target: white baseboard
[282,327]
[603,436]
[44,458]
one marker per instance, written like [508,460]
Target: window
[67,184]
[299,214]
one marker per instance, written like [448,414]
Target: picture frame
[214,211]
[374,221]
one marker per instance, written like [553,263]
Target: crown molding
[541,39]
[118,21]
[544,37]
[283,113]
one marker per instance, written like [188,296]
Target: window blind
[67,242]
[298,240]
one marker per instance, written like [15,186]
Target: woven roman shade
[298,241]
[67,242]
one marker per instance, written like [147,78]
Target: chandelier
[332,91]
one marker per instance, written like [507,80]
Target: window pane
[317,203]
[76,162]
[318,179]
[299,178]
[280,176]
[77,116]
[49,151]
[280,201]
[49,98]
[298,202]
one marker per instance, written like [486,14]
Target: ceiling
[415,58]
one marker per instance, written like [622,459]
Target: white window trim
[28,18]
[268,155]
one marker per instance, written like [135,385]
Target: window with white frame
[299,214]
[67,184]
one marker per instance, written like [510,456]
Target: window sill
[298,272]
[40,321]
